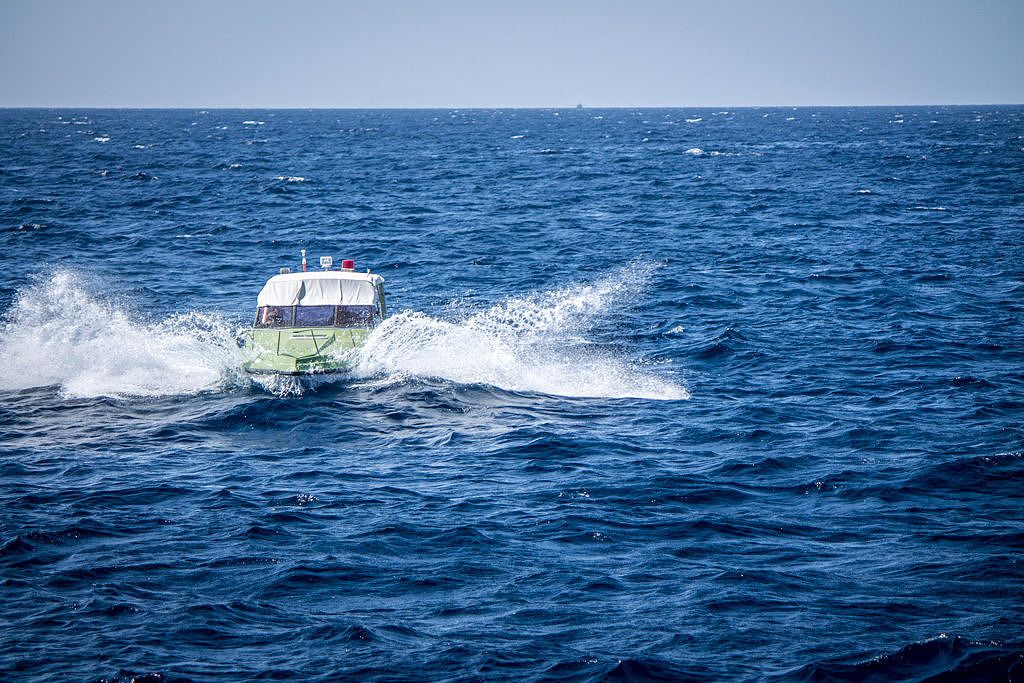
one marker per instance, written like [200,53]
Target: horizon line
[572,107]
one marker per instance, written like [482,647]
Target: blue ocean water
[666,395]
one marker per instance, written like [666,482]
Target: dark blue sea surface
[667,394]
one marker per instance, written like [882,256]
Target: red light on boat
[348,264]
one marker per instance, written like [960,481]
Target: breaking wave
[58,333]
[530,343]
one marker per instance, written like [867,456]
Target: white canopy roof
[319,288]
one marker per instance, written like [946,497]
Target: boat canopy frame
[340,299]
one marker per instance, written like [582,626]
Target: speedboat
[309,322]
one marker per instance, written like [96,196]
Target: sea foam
[59,333]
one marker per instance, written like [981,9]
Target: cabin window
[274,316]
[354,316]
[314,316]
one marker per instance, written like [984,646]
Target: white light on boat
[326,262]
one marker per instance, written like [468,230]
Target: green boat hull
[302,350]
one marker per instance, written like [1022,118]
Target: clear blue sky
[517,53]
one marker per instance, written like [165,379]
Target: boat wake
[535,343]
[59,333]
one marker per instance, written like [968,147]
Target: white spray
[59,334]
[530,343]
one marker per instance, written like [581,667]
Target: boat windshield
[315,316]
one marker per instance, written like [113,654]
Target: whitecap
[696,151]
[696,120]
[253,123]
[518,137]
[102,138]
[291,178]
